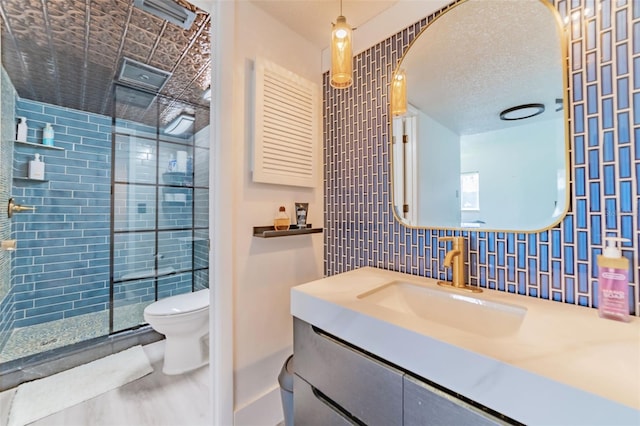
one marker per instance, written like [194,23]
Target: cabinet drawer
[310,409]
[365,388]
[426,405]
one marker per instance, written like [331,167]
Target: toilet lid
[179,304]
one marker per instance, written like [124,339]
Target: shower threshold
[43,364]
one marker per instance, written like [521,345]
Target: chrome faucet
[454,259]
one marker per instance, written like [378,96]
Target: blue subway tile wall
[557,264]
[61,267]
[135,210]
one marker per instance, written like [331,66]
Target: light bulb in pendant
[341,56]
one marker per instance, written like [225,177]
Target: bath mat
[40,398]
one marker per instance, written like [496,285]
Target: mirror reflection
[483,141]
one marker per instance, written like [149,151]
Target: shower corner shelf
[270,231]
[177,178]
[29,179]
[39,145]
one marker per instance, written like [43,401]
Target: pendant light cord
[340,7]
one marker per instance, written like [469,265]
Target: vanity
[471,150]
[379,347]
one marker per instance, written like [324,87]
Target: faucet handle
[457,241]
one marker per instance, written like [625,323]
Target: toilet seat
[178,305]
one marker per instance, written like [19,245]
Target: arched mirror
[483,142]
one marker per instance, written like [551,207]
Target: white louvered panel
[286,127]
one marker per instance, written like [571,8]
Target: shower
[121,216]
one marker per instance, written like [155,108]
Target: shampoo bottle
[21,135]
[171,167]
[47,135]
[613,281]
[282,221]
[181,161]
[36,168]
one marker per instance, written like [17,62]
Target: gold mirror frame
[400,69]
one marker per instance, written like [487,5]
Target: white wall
[264,270]
[522,162]
[439,163]
[250,322]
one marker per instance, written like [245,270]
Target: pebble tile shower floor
[31,340]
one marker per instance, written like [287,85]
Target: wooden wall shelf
[270,231]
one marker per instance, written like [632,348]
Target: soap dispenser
[282,221]
[47,135]
[21,135]
[36,168]
[613,281]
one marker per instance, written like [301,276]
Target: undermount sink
[448,307]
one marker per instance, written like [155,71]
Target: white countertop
[564,365]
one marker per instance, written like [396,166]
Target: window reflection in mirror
[477,60]
[470,191]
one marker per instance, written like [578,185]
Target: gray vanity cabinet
[312,409]
[426,405]
[344,379]
[337,384]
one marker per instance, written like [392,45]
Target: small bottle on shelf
[21,135]
[47,135]
[172,166]
[36,168]
[282,221]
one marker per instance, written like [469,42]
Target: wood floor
[153,400]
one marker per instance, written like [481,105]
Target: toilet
[184,320]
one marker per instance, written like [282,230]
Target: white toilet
[184,320]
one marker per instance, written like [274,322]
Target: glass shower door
[160,228]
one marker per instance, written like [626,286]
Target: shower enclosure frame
[189,183]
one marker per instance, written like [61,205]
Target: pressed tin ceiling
[69,53]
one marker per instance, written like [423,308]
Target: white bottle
[171,167]
[181,161]
[36,168]
[21,136]
[47,135]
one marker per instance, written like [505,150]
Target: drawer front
[310,409]
[365,388]
[426,405]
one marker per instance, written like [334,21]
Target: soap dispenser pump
[613,281]
[36,168]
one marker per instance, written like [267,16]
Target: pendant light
[341,58]
[399,93]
